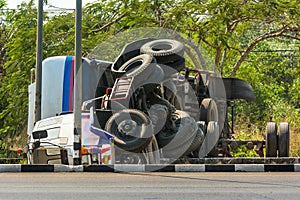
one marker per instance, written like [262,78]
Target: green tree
[19,59]
[3,39]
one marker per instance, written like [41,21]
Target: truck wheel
[129,157]
[271,139]
[132,129]
[181,143]
[202,126]
[166,136]
[198,140]
[164,50]
[175,143]
[152,152]
[283,140]
[210,140]
[136,65]
[208,110]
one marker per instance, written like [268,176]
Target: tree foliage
[20,30]
[244,38]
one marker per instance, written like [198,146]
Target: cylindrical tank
[58,83]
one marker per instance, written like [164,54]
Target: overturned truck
[145,107]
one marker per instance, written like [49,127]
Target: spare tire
[132,129]
[136,65]
[164,50]
[129,51]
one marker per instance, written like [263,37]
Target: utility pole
[77,84]
[39,59]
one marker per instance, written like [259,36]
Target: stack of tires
[141,58]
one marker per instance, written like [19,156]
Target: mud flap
[238,89]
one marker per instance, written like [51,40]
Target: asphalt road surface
[149,186]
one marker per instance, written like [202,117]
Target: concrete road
[153,186]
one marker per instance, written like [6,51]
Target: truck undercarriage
[156,107]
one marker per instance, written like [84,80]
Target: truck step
[121,88]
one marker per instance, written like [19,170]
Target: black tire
[166,136]
[164,50]
[210,140]
[129,51]
[203,126]
[271,139]
[198,140]
[208,110]
[181,140]
[152,152]
[283,140]
[129,157]
[145,71]
[136,65]
[138,130]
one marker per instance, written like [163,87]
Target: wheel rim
[133,130]
[128,128]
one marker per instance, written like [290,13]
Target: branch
[218,57]
[108,24]
[231,26]
[291,36]
[208,44]
[293,29]
[236,49]
[223,61]
[278,33]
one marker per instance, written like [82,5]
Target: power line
[276,50]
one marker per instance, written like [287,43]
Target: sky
[56,3]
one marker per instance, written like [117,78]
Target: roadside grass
[13,161]
[246,134]
[295,143]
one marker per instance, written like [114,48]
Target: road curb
[153,168]
[10,168]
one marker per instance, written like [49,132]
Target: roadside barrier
[153,168]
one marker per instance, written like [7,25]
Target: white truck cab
[51,141]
